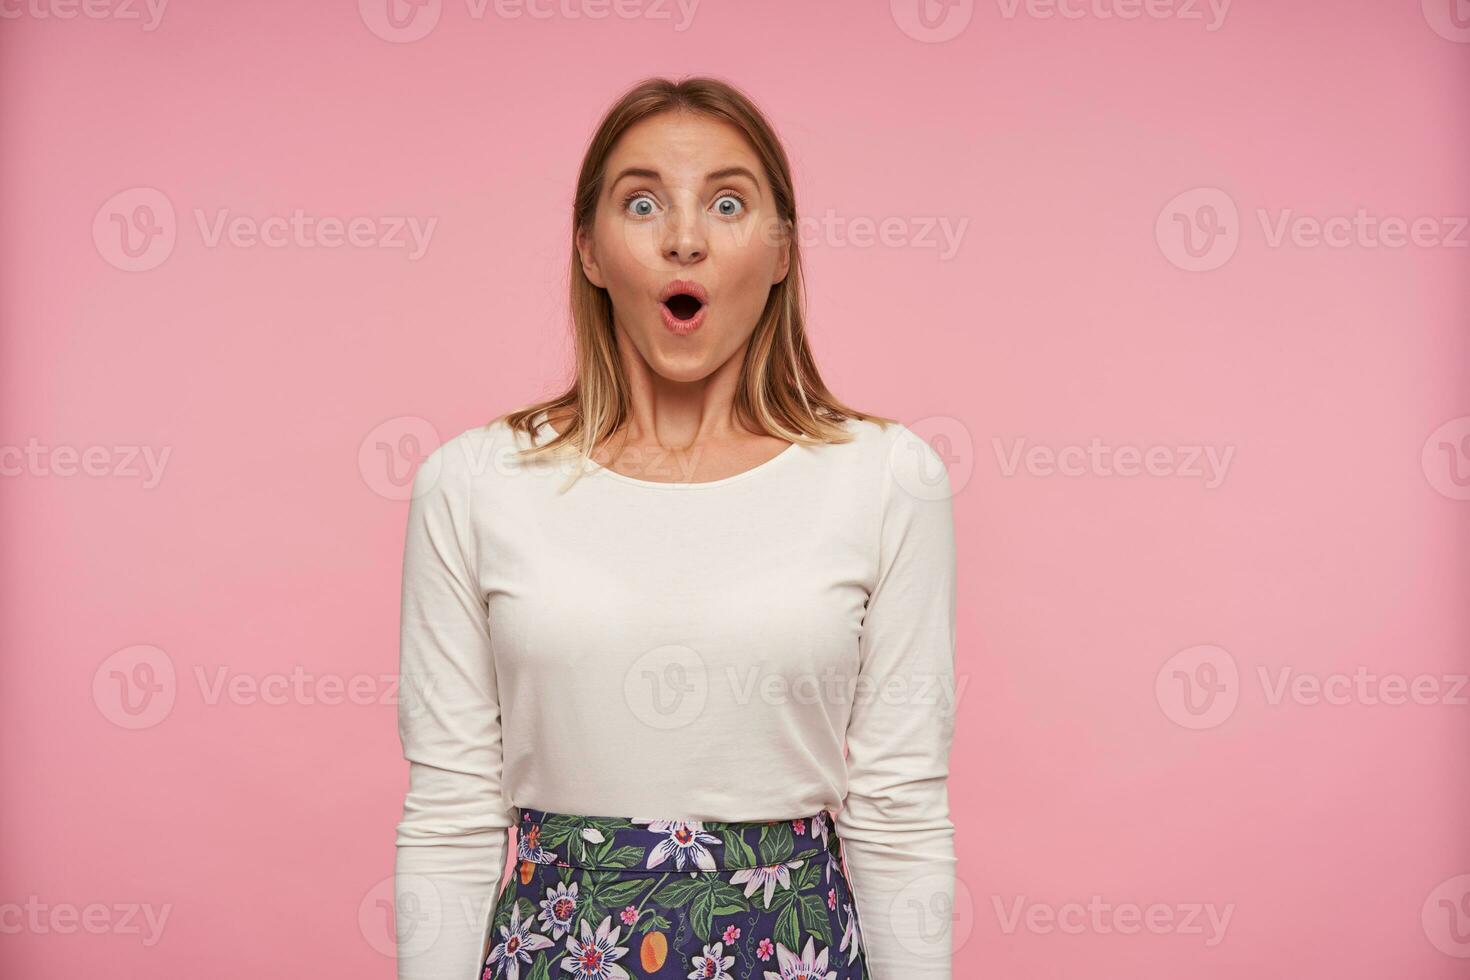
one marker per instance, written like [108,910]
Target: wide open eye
[637,198]
[730,196]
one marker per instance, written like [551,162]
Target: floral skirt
[612,898]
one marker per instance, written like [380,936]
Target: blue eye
[639,196]
[731,196]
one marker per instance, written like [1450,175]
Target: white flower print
[528,845]
[806,966]
[515,946]
[558,909]
[713,965]
[852,937]
[769,875]
[591,957]
[684,843]
[819,827]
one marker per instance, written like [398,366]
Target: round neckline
[598,468]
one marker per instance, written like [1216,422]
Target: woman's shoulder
[475,452]
[874,438]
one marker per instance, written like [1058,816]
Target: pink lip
[682,327]
[684,286]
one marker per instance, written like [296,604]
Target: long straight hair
[779,392]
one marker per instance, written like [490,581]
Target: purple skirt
[612,898]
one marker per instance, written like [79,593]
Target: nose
[685,237]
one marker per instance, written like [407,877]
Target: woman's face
[685,199]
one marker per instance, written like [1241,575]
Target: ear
[589,259]
[783,260]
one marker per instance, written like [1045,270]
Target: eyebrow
[712,175]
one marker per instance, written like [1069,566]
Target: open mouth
[683,306]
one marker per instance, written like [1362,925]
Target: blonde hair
[779,392]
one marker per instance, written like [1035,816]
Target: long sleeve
[895,822]
[451,843]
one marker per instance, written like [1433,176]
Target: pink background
[260,817]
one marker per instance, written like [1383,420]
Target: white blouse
[679,650]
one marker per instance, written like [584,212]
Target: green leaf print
[738,853]
[788,927]
[814,920]
[776,843]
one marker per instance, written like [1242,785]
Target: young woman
[641,620]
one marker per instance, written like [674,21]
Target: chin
[683,367]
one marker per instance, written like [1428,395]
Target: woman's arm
[895,825]
[451,842]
